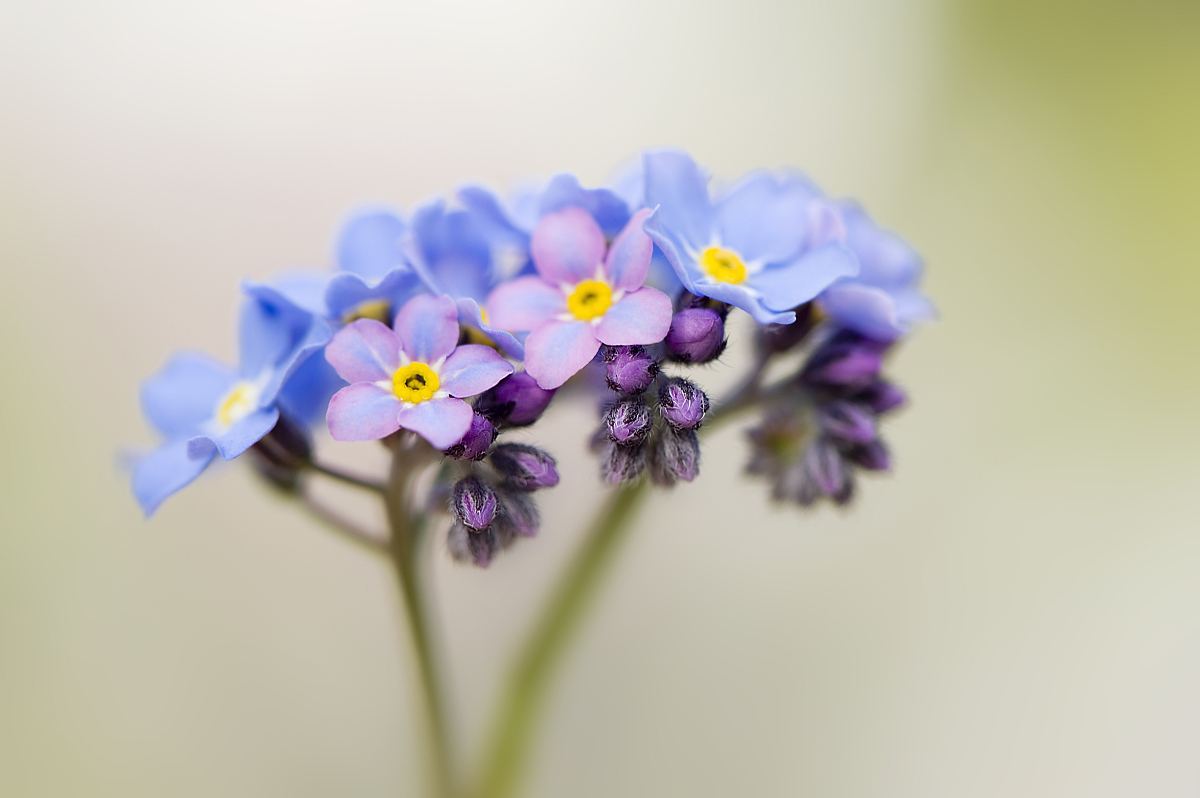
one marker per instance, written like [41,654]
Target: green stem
[402,546]
[508,747]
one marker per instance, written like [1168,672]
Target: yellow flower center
[415,383]
[723,265]
[591,299]
[236,405]
[377,309]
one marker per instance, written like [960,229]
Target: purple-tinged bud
[524,467]
[674,456]
[883,396]
[848,422]
[467,545]
[521,516]
[628,422]
[517,401]
[622,463]
[873,456]
[843,364]
[474,503]
[682,404]
[476,441]
[689,300]
[823,464]
[697,335]
[629,369]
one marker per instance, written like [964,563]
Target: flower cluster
[441,332]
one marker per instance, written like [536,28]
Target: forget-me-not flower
[763,246]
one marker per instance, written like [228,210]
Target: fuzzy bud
[628,422]
[873,456]
[475,503]
[521,516]
[682,404]
[848,423]
[622,463]
[697,335]
[517,401]
[629,369]
[846,361]
[824,466]
[675,456]
[476,441]
[467,545]
[883,396]
[524,467]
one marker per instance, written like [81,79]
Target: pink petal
[642,317]
[567,246]
[442,422]
[472,369]
[628,259]
[428,327]
[524,304]
[364,351]
[557,351]
[362,412]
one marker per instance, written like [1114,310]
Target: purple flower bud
[629,369]
[674,456]
[848,422]
[844,362]
[697,335]
[689,300]
[521,516]
[883,396]
[622,463]
[524,467]
[474,503]
[873,456]
[628,422]
[476,441]
[517,401]
[823,464]
[682,404]
[467,545]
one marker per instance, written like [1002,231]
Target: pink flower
[414,377]
[581,297]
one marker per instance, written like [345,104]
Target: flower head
[765,246]
[585,293]
[413,377]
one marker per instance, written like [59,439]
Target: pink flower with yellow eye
[585,293]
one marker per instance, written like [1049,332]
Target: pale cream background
[1014,613]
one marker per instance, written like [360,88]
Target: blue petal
[306,393]
[887,261]
[764,217]
[747,299]
[239,437]
[348,290]
[470,314]
[786,286]
[675,184]
[371,243]
[454,251]
[271,326]
[181,398]
[674,249]
[605,206]
[165,471]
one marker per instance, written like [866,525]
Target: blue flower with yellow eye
[205,409]
[767,245]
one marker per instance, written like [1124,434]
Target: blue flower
[884,301]
[763,246]
[203,408]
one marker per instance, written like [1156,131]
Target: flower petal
[453,250]
[165,471]
[640,318]
[525,303]
[628,259]
[608,209]
[470,314]
[862,308]
[428,327]
[472,369]
[347,291]
[887,260]
[363,412]
[789,285]
[747,299]
[556,351]
[567,246]
[442,422]
[364,351]
[679,189]
[766,217]
[235,440]
[370,243]
[182,397]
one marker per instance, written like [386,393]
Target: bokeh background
[1013,613]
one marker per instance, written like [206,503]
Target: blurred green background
[1014,612]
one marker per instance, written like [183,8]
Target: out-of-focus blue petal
[181,398]
[271,327]
[305,290]
[239,437]
[865,309]
[675,250]
[306,393]
[788,285]
[453,251]
[662,275]
[747,299]
[165,471]
[315,337]
[679,189]
[371,243]
[764,217]
[428,327]
[470,314]
[348,291]
[886,259]
[442,422]
[471,369]
[508,239]
[604,205]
